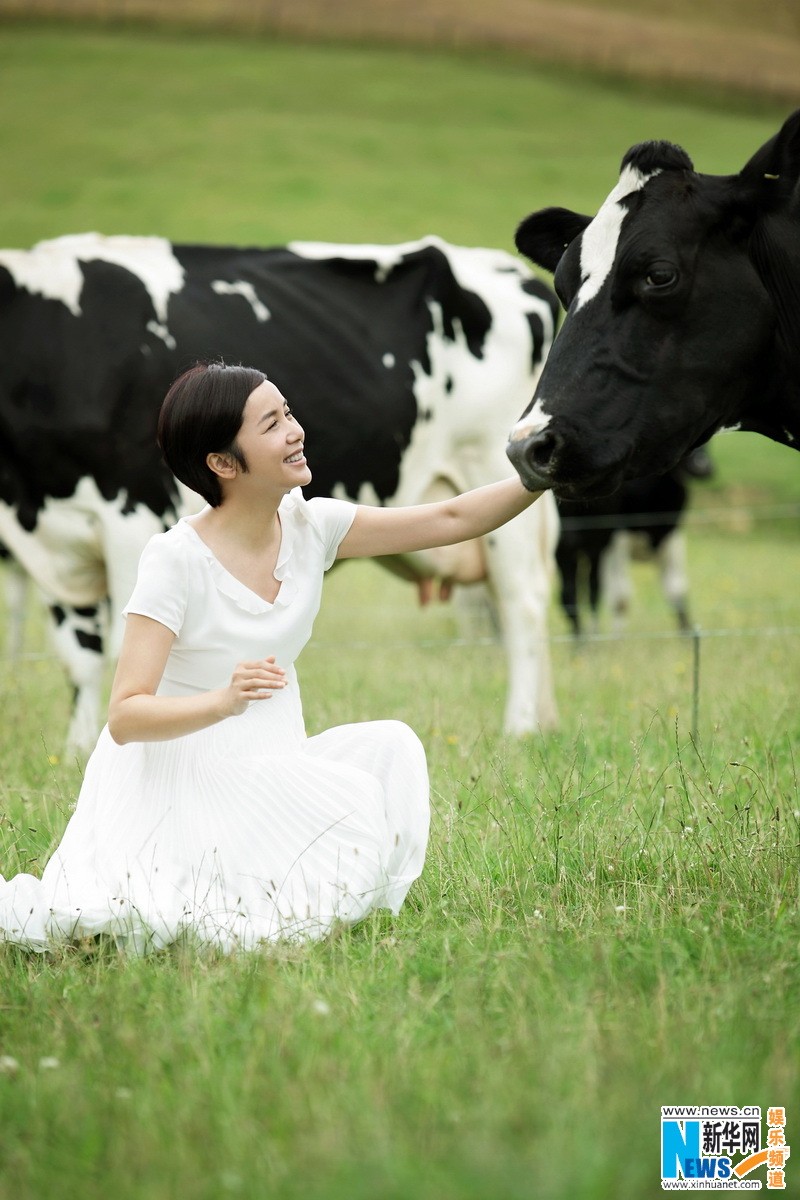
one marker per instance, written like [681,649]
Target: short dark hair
[201,415]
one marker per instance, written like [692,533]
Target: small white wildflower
[610,868]
[621,908]
[688,830]
[48,1063]
[322,1007]
[538,914]
[8,1065]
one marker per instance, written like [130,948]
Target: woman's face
[271,441]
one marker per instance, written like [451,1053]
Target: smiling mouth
[297,457]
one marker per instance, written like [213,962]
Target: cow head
[683,305]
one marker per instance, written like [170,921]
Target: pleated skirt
[241,834]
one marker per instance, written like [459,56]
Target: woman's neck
[242,522]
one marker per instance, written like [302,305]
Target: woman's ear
[223,465]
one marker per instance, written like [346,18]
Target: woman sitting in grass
[205,809]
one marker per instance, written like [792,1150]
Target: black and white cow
[404,363]
[683,317]
[643,518]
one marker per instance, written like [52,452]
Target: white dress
[247,831]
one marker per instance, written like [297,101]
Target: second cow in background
[599,537]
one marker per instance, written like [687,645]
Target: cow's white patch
[82,545]
[386,258]
[247,291]
[474,267]
[388,361]
[533,422]
[86,665]
[162,332]
[86,548]
[599,241]
[52,269]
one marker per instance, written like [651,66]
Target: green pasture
[608,919]
[209,139]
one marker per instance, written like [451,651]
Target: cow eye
[661,275]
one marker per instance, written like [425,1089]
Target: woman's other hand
[254,681]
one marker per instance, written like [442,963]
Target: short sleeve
[332,520]
[162,589]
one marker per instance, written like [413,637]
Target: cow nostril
[540,449]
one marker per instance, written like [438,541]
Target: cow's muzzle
[535,458]
[548,459]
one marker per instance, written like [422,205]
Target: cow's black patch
[89,641]
[539,335]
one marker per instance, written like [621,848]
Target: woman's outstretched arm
[377,531]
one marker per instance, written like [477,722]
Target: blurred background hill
[738,46]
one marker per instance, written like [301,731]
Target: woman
[205,810]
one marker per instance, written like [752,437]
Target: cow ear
[544,236]
[774,170]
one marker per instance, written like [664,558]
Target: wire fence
[696,636]
[456,642]
[727,518]
[736,516]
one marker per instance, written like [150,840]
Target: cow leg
[595,558]
[16,607]
[125,536]
[520,559]
[675,576]
[616,585]
[567,561]
[78,635]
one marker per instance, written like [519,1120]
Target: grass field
[225,140]
[608,920]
